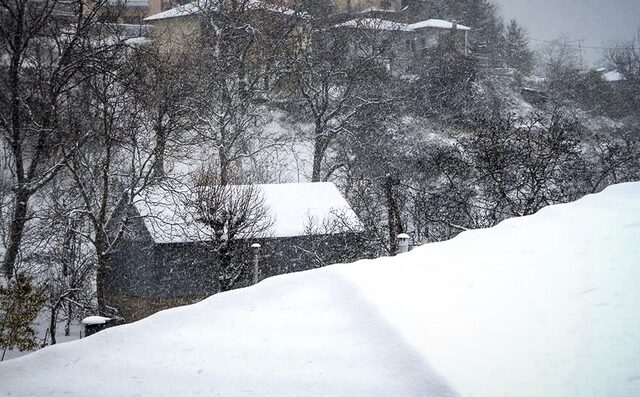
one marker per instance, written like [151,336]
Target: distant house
[407,43]
[404,45]
[165,258]
[181,29]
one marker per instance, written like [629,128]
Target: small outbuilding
[170,251]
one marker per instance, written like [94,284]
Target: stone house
[165,257]
[404,45]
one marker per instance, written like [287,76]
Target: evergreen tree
[481,15]
[517,54]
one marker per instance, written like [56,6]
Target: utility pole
[580,49]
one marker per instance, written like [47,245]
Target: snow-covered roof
[373,23]
[293,208]
[180,11]
[383,24]
[197,7]
[436,23]
[95,320]
[613,76]
[542,305]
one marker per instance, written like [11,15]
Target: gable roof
[292,207]
[197,7]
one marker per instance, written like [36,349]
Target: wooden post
[466,43]
[256,252]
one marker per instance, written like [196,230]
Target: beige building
[177,29]
[359,6]
[180,29]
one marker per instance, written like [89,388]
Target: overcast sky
[597,22]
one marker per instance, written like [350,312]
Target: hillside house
[403,45]
[381,23]
[165,257]
[183,28]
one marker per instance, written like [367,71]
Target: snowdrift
[546,305]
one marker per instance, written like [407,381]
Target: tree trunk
[18,217]
[223,157]
[318,155]
[393,215]
[18,220]
[52,324]
[67,324]
[101,288]
[224,259]
[161,142]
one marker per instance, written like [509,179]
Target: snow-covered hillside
[546,305]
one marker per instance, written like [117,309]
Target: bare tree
[560,64]
[231,213]
[46,45]
[117,160]
[238,67]
[331,76]
[62,259]
[164,87]
[626,60]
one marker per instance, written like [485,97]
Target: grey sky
[598,22]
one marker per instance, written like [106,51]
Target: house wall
[348,6]
[177,35]
[144,277]
[343,6]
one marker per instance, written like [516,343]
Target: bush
[20,303]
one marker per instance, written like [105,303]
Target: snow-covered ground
[545,305]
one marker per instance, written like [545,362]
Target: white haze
[599,23]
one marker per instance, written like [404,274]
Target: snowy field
[546,305]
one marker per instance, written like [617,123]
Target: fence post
[256,252]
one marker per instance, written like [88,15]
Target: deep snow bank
[547,305]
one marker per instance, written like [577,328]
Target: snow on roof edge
[197,7]
[374,23]
[438,24]
[384,24]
